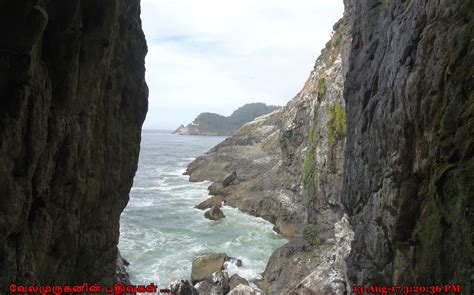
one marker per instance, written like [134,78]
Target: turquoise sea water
[160,229]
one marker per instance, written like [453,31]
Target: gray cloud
[217,55]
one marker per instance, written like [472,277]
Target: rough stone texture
[206,287]
[215,213]
[221,279]
[328,272]
[72,101]
[286,267]
[209,203]
[305,266]
[244,290]
[409,167]
[217,284]
[183,287]
[121,274]
[236,280]
[205,265]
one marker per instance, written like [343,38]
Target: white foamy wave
[150,188]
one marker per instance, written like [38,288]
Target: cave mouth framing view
[250,147]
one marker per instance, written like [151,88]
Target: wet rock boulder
[215,213]
[216,189]
[205,265]
[236,280]
[209,203]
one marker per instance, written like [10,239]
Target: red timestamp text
[409,289]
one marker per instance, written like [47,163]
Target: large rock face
[72,101]
[409,167]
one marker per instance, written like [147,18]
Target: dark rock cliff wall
[409,167]
[72,101]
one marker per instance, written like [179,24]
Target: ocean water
[160,231]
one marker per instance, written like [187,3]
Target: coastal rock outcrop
[206,264]
[73,100]
[215,213]
[409,167]
[209,203]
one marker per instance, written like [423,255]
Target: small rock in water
[239,263]
[215,213]
[183,287]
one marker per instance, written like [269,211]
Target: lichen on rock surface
[73,100]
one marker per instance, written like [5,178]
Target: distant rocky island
[212,124]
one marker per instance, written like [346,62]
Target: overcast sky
[216,55]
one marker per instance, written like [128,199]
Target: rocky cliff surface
[409,167]
[73,99]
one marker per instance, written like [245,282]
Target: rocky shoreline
[210,274]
